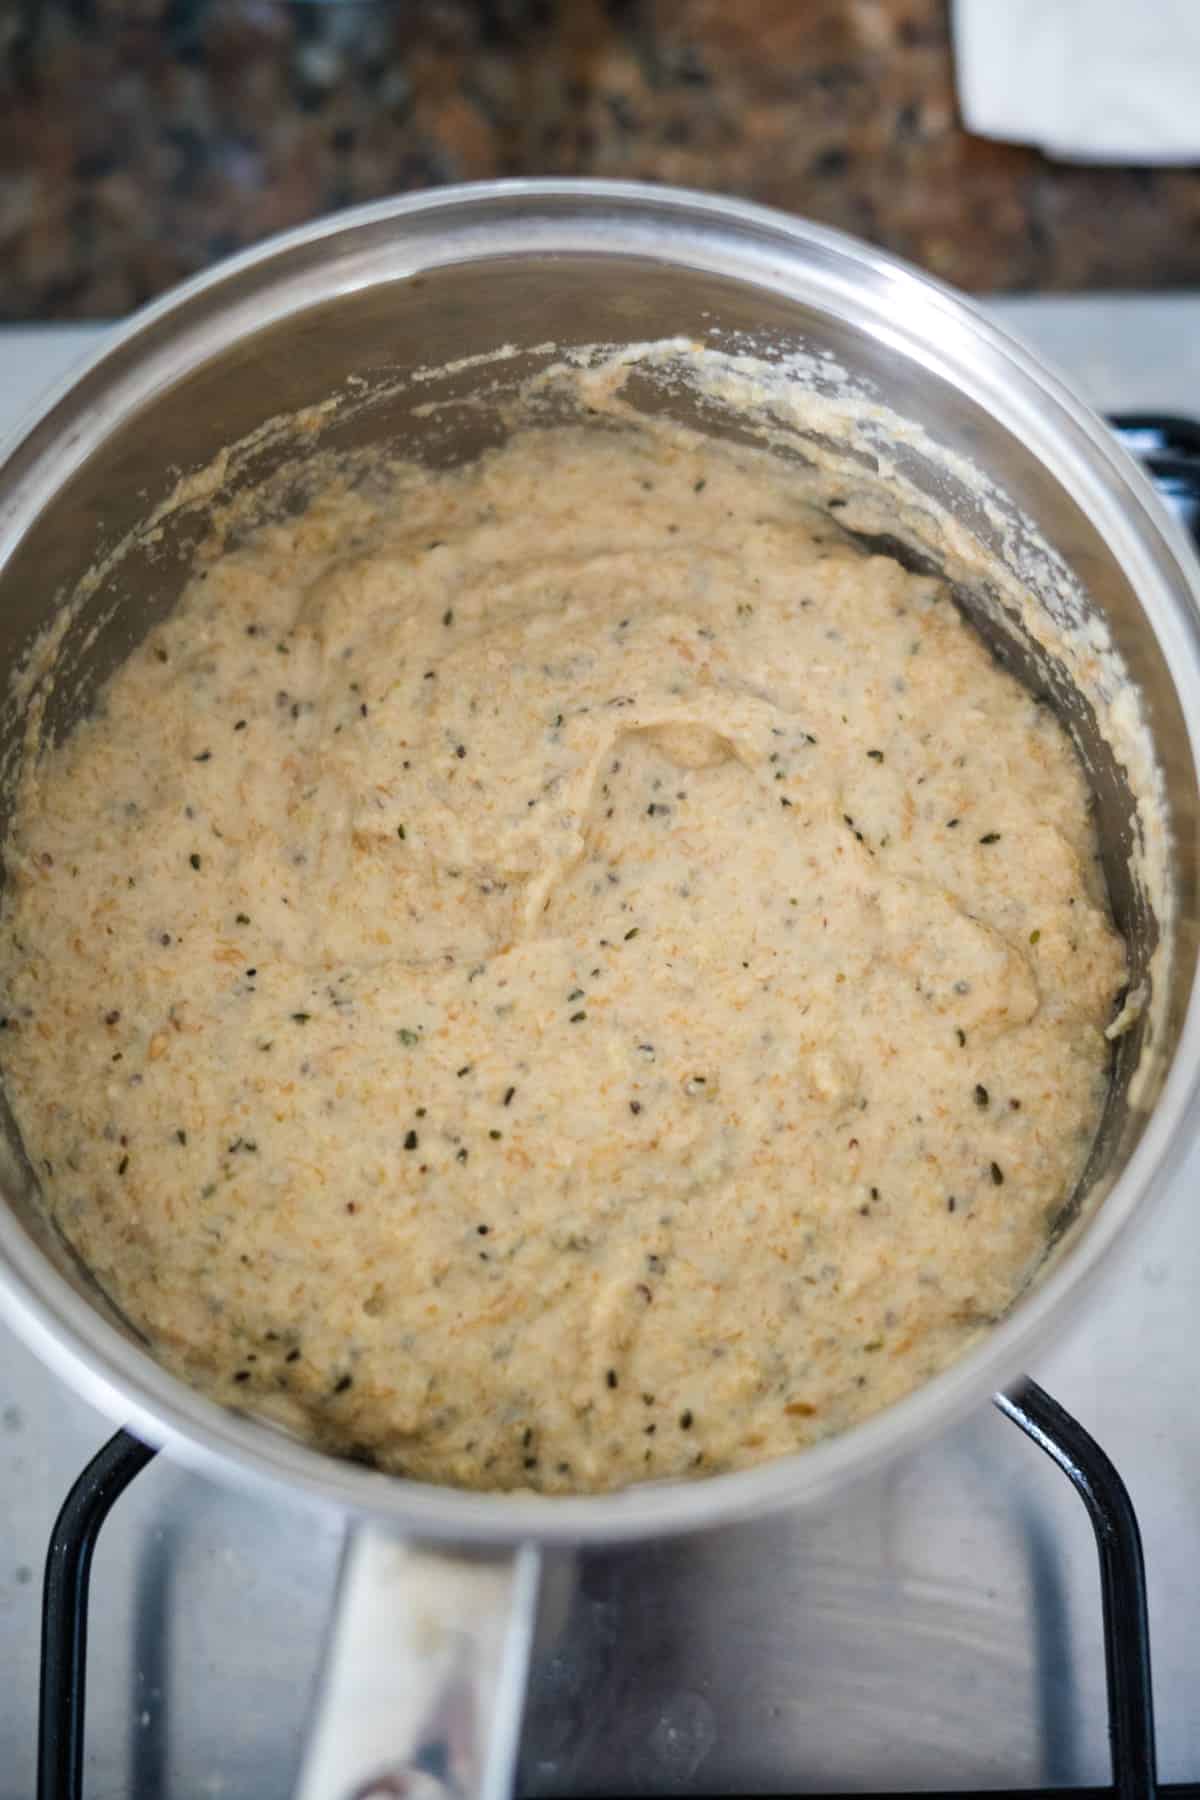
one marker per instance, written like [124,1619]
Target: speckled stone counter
[142,139]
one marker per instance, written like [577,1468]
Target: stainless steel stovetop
[939,1629]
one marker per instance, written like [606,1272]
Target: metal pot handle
[424,1679]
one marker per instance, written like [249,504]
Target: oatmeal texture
[560,972]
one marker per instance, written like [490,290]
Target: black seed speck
[611,1378]
[981,1094]
[685,1421]
[997,1175]
[410,1140]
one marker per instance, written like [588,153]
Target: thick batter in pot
[559,973]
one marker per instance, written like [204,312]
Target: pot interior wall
[378,334]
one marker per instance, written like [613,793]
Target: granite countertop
[142,139]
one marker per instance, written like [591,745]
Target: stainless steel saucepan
[439,1590]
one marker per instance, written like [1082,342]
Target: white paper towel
[1086,80]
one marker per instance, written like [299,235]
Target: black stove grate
[1122,1584]
[1169,448]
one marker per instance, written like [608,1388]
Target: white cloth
[1086,80]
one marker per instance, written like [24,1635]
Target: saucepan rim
[124,1381]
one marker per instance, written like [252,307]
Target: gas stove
[939,1629]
